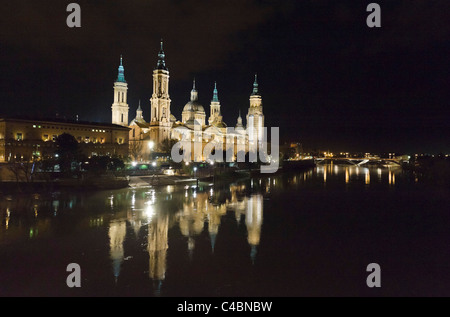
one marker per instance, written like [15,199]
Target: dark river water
[309,233]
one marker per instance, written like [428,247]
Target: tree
[98,164]
[67,152]
[22,170]
[116,165]
[135,149]
[167,145]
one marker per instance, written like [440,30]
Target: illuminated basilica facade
[194,125]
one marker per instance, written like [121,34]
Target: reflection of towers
[135,222]
[192,219]
[133,218]
[157,248]
[253,220]
[117,231]
[213,228]
[198,209]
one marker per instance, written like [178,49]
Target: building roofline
[61,121]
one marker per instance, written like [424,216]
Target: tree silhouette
[67,152]
[167,145]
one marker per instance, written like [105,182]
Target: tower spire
[215,93]
[161,58]
[194,93]
[121,75]
[255,86]
[239,121]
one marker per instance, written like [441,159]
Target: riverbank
[106,182]
[36,186]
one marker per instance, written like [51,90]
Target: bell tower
[255,116]
[215,107]
[160,101]
[160,123]
[120,106]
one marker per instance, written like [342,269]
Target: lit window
[19,136]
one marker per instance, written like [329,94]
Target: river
[310,233]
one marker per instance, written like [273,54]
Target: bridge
[359,161]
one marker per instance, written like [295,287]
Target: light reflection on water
[164,230]
[352,174]
[196,206]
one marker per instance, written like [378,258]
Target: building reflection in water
[200,211]
[198,208]
[253,220]
[138,222]
[157,246]
[116,233]
[205,208]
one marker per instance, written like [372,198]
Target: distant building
[22,139]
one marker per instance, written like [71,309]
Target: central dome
[194,106]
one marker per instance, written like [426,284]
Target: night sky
[327,80]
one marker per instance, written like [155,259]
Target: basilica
[164,129]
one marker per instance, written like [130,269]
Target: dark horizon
[326,79]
